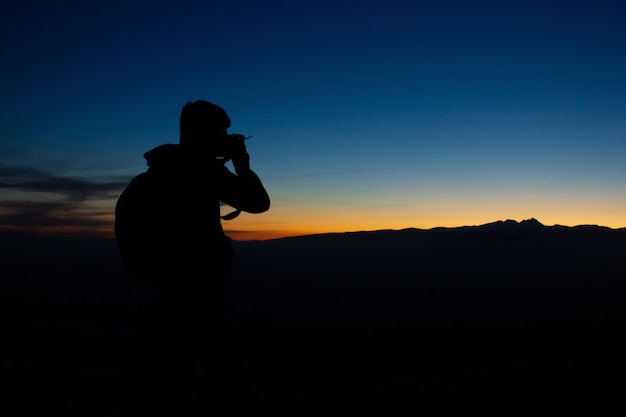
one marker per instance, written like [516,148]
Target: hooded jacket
[167,220]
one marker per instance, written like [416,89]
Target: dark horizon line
[532,222]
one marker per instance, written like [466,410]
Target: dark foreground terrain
[502,319]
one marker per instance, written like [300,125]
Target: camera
[225,145]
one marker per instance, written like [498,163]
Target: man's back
[167,219]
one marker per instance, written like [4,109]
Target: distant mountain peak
[532,222]
[508,228]
[511,224]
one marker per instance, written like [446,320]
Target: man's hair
[199,117]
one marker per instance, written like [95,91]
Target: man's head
[201,121]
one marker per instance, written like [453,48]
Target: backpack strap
[231,215]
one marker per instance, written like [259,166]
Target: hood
[166,156]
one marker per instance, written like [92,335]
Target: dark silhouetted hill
[502,316]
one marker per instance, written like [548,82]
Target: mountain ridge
[507,229]
[497,229]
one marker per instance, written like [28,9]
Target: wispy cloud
[37,180]
[33,199]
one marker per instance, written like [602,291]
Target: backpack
[132,232]
[138,233]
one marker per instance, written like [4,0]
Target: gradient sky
[365,115]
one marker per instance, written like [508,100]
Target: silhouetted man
[169,232]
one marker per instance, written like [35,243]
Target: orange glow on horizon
[281,223]
[70,231]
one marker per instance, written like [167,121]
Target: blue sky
[365,115]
